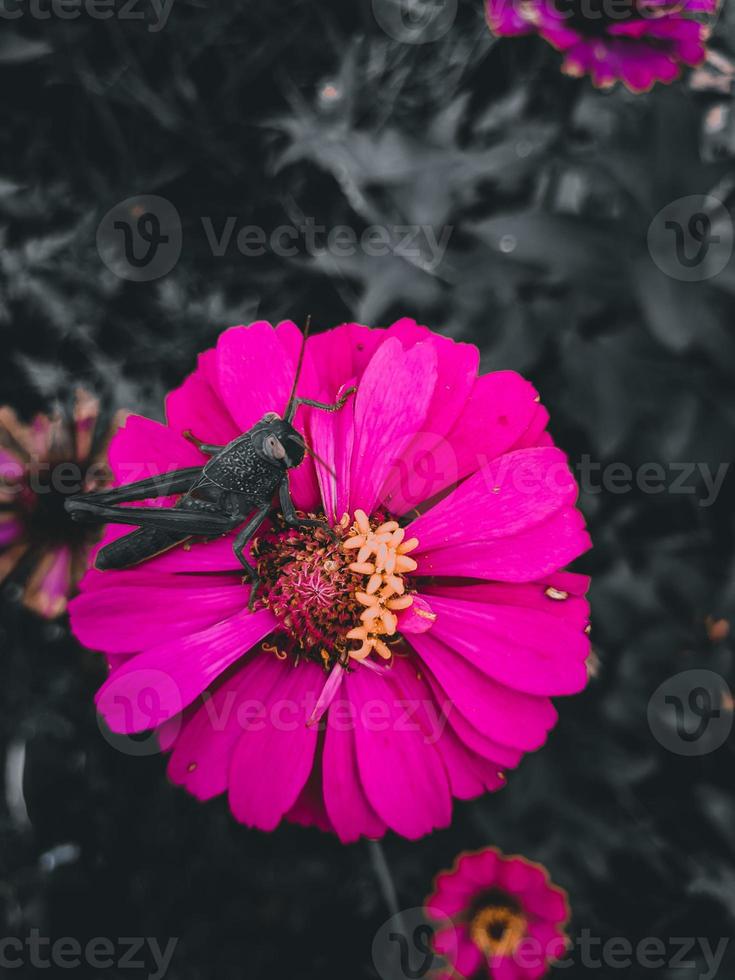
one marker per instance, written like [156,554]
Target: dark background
[549,188]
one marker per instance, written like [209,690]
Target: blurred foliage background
[274,114]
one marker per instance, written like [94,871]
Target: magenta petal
[332,437]
[464,956]
[271,764]
[519,647]
[546,596]
[203,751]
[401,771]
[168,732]
[418,618]
[143,448]
[469,775]
[515,492]
[153,612]
[203,748]
[9,531]
[392,399]
[343,353]
[498,413]
[303,479]
[163,680]
[505,968]
[344,795]
[505,18]
[428,455]
[481,867]
[255,374]
[501,756]
[548,903]
[535,434]
[304,486]
[509,717]
[308,810]
[453,894]
[532,554]
[515,875]
[328,693]
[197,406]
[465,779]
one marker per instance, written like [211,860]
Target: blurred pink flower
[640,42]
[507,918]
[409,659]
[41,549]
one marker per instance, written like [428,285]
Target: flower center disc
[332,588]
[498,929]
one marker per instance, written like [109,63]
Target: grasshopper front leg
[288,510]
[243,538]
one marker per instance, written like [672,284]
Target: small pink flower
[507,918]
[638,42]
[41,549]
[408,658]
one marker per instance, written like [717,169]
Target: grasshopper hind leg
[136,547]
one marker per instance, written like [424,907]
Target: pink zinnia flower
[407,658]
[41,550]
[507,918]
[639,42]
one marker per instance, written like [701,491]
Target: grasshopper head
[278,442]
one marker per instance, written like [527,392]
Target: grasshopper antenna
[293,403]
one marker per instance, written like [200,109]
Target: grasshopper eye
[273,448]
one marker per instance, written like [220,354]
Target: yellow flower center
[498,929]
[382,560]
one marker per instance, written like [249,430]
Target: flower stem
[382,873]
